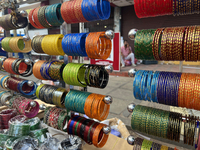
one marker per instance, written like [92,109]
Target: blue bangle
[149,81]
[90,10]
[65,45]
[105,9]
[31,92]
[154,86]
[72,124]
[137,84]
[69,101]
[143,85]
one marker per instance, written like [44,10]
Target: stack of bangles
[51,70]
[5,116]
[170,88]
[16,45]
[49,44]
[93,105]
[72,73]
[90,131]
[52,94]
[145,8]
[10,22]
[165,124]
[24,106]
[22,86]
[94,45]
[149,145]
[5,97]
[56,117]
[17,66]
[46,16]
[84,11]
[159,44]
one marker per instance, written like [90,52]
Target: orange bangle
[35,17]
[94,47]
[7,65]
[95,105]
[88,105]
[36,69]
[181,91]
[196,93]
[189,87]
[95,138]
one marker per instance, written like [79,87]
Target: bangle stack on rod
[165,124]
[171,43]
[153,8]
[170,88]
[72,73]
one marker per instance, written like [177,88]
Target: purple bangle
[178,77]
[161,88]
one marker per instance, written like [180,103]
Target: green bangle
[3,139]
[9,143]
[71,73]
[39,134]
[5,44]
[19,130]
[62,119]
[34,123]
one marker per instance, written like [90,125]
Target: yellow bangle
[38,90]
[52,44]
[14,45]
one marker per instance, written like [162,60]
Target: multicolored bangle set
[149,145]
[72,73]
[16,45]
[90,131]
[70,12]
[16,66]
[52,94]
[172,43]
[94,45]
[153,8]
[18,85]
[170,88]
[164,124]
[56,117]
[10,22]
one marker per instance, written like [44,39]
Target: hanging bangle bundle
[161,46]
[85,75]
[17,66]
[92,105]
[170,88]
[98,46]
[46,16]
[155,8]
[5,116]
[16,45]
[83,11]
[36,44]
[10,22]
[20,85]
[36,69]
[56,117]
[90,131]
[52,94]
[24,107]
[74,44]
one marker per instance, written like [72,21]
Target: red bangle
[137,9]
[79,126]
[87,128]
[35,17]
[78,11]
[67,12]
[30,18]
[5,116]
